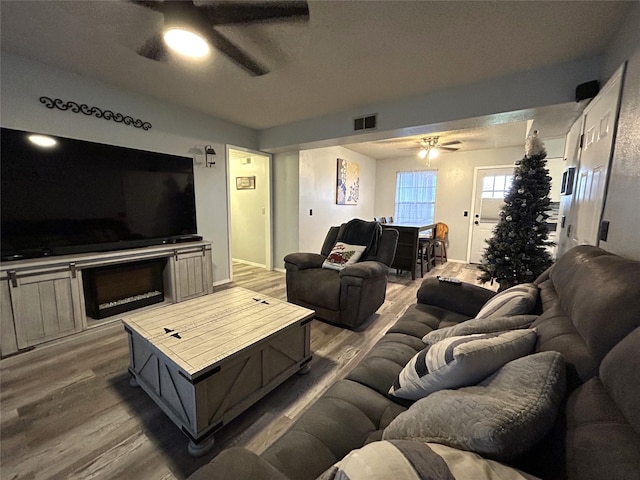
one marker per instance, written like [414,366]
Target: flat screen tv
[76,196]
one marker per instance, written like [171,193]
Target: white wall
[248,209]
[318,169]
[286,198]
[623,193]
[550,85]
[454,188]
[174,130]
[556,168]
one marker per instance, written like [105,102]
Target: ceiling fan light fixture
[433,153]
[186,42]
[423,153]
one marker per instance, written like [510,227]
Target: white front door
[492,184]
[591,181]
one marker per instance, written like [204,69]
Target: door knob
[477,222]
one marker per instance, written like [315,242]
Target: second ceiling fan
[430,147]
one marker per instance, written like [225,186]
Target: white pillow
[410,459]
[343,255]
[517,300]
[460,361]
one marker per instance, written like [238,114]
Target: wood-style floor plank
[67,410]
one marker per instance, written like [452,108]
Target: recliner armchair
[346,297]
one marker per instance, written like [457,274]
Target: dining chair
[425,254]
[380,219]
[388,219]
[438,244]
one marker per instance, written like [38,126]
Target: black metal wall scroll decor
[93,111]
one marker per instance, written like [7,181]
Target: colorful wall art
[348,182]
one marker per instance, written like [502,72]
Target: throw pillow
[460,361]
[517,300]
[502,417]
[480,325]
[391,459]
[342,255]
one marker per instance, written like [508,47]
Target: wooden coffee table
[206,360]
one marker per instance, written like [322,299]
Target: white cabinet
[8,343]
[192,279]
[44,299]
[46,305]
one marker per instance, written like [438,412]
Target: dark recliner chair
[346,297]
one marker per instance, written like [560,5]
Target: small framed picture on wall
[245,183]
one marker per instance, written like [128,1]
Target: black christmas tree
[517,252]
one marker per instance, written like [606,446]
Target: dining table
[406,257]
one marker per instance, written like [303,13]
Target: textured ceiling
[350,53]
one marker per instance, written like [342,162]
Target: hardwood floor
[67,410]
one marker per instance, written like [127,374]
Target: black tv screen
[77,196]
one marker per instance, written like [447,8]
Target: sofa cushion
[318,286]
[502,417]
[480,325]
[381,366]
[343,254]
[600,442]
[237,463]
[408,459]
[419,319]
[459,361]
[338,422]
[600,293]
[556,332]
[465,298]
[620,374]
[517,300]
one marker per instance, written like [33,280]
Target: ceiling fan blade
[155,49]
[234,53]
[233,12]
[151,4]
[448,149]
[452,142]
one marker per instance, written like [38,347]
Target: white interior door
[565,215]
[591,180]
[492,184]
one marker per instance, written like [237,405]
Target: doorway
[250,223]
[491,184]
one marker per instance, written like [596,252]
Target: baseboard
[281,270]
[454,260]
[247,262]
[221,282]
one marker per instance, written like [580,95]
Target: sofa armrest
[364,270]
[239,464]
[302,261]
[466,299]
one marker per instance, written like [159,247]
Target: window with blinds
[416,196]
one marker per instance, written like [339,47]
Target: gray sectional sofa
[588,310]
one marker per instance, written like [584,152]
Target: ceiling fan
[430,147]
[200,18]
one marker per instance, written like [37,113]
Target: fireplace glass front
[120,288]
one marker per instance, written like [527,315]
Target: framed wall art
[348,182]
[245,183]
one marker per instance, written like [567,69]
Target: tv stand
[42,299]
